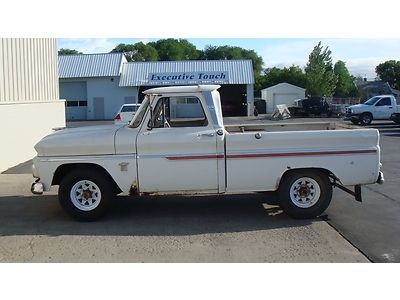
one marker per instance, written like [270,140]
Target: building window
[76,103]
[72,103]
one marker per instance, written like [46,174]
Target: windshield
[372,101]
[137,119]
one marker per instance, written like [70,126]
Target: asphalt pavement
[373,226]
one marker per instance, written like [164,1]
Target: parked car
[316,106]
[167,149]
[376,108]
[126,113]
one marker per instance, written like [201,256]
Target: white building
[90,84]
[96,85]
[29,97]
[282,93]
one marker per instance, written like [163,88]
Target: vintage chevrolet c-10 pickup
[177,144]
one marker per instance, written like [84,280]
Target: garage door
[287,99]
[75,94]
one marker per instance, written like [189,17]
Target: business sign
[188,78]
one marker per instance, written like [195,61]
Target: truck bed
[275,127]
[256,153]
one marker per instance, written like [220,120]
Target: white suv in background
[126,113]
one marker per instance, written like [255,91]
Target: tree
[137,52]
[389,71]
[345,86]
[127,49]
[230,52]
[293,75]
[144,52]
[64,51]
[321,80]
[175,49]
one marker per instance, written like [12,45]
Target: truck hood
[88,140]
[357,107]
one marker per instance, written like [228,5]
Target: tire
[366,119]
[85,194]
[255,112]
[315,197]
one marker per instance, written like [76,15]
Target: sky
[361,55]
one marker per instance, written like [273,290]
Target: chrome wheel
[85,195]
[305,192]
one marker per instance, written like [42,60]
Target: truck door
[179,152]
[384,108]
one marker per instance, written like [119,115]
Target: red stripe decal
[300,154]
[194,157]
[272,154]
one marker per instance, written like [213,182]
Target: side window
[384,102]
[179,112]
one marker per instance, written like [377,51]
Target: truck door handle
[390,106]
[205,134]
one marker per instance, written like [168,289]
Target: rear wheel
[305,194]
[85,194]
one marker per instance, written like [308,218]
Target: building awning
[187,72]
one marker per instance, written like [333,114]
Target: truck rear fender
[289,170]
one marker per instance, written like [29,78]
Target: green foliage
[321,80]
[175,49]
[345,86]
[293,75]
[389,71]
[230,52]
[144,52]
[137,52]
[64,51]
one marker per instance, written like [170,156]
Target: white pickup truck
[382,107]
[177,144]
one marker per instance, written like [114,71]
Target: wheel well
[66,168]
[367,113]
[322,170]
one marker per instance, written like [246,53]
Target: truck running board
[356,193]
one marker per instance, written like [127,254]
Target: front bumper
[352,117]
[37,187]
[381,178]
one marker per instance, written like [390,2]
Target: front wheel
[305,194]
[85,194]
[366,119]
